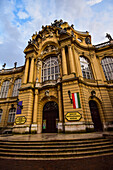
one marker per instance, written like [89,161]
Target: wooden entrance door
[95,115]
[50,118]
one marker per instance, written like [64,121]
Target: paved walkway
[52,136]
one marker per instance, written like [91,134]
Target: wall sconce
[69,94]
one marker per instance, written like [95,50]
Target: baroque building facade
[66,84]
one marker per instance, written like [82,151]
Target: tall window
[17,85]
[4,89]
[11,117]
[86,68]
[50,69]
[1,111]
[107,65]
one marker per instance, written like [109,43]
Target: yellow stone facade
[61,41]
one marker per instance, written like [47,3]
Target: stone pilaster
[96,69]
[31,70]
[77,63]
[71,60]
[60,104]
[26,71]
[64,63]
[35,111]
[60,123]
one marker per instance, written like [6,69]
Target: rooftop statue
[108,36]
[3,66]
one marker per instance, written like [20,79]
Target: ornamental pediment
[30,47]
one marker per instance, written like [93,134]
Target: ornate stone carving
[57,23]
[62,31]
[39,63]
[49,48]
[87,40]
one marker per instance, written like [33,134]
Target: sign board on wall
[20,120]
[73,116]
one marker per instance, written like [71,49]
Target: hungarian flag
[76,100]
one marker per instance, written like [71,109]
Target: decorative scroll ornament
[49,48]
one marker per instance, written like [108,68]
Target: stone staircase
[55,149]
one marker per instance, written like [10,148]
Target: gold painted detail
[20,120]
[73,116]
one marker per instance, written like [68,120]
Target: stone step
[57,155]
[41,150]
[56,146]
[55,140]
[55,149]
[59,142]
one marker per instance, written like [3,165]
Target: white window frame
[50,69]
[86,68]
[11,117]
[4,89]
[107,65]
[16,86]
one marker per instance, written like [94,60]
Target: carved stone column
[35,111]
[31,70]
[64,63]
[71,60]
[77,63]
[26,71]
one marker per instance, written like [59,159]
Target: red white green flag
[76,100]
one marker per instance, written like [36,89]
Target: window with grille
[11,117]
[4,89]
[17,85]
[1,111]
[50,69]
[107,65]
[86,68]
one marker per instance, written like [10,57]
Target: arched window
[86,68]
[1,111]
[107,65]
[50,69]
[4,89]
[17,85]
[11,117]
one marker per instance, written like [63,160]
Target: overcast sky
[19,19]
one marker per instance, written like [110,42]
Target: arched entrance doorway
[50,117]
[95,115]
